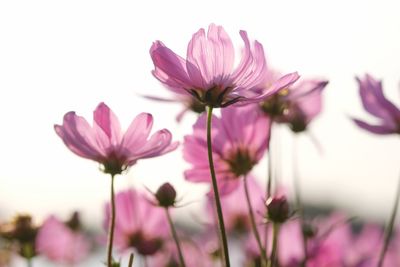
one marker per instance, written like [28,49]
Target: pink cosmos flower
[236,213]
[240,138]
[297,105]
[376,104]
[62,243]
[208,75]
[105,142]
[138,223]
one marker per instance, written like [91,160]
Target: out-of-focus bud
[166,195]
[21,232]
[277,209]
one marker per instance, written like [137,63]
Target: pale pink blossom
[240,138]
[208,72]
[107,144]
[375,103]
[139,224]
[61,243]
[297,105]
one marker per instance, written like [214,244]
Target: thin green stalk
[275,233]
[253,224]
[112,225]
[389,228]
[215,189]
[299,203]
[175,237]
[130,264]
[29,262]
[269,181]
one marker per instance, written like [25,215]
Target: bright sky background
[58,56]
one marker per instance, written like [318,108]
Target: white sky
[58,56]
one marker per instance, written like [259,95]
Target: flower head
[208,75]
[376,104]
[296,105]
[240,138]
[138,223]
[166,195]
[62,242]
[105,142]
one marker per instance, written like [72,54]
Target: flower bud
[166,195]
[277,209]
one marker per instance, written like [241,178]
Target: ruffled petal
[211,57]
[106,121]
[376,129]
[170,68]
[78,136]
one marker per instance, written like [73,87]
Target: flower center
[114,164]
[144,245]
[241,162]
[217,96]
[276,105]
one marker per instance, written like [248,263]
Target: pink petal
[137,132]
[78,136]
[105,119]
[377,129]
[169,67]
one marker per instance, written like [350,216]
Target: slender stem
[175,236]
[215,189]
[275,233]
[253,223]
[130,264]
[389,229]
[299,203]
[29,262]
[112,225]
[269,181]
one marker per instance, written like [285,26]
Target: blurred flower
[138,223]
[297,104]
[236,213]
[21,233]
[62,242]
[240,138]
[376,104]
[208,75]
[105,143]
[327,248]
[195,255]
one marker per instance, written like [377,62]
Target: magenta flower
[208,74]
[138,224]
[62,243]
[105,142]
[296,105]
[376,104]
[240,138]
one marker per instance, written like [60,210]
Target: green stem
[29,262]
[130,264]
[253,223]
[269,181]
[112,225]
[389,229]
[299,203]
[175,237]
[275,233]
[215,189]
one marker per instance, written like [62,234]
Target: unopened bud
[166,195]
[277,209]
